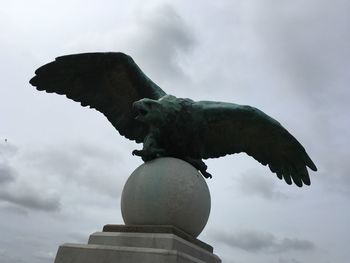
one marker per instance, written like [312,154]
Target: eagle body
[113,84]
[175,129]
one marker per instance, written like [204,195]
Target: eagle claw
[148,155]
[137,152]
[206,174]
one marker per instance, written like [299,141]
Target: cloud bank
[256,241]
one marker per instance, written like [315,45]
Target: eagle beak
[139,109]
[134,106]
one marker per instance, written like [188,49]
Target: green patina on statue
[168,126]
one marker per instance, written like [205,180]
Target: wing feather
[231,128]
[108,82]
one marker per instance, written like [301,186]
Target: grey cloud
[29,247]
[162,38]
[295,244]
[29,199]
[7,173]
[159,39]
[228,259]
[95,152]
[17,193]
[310,41]
[7,257]
[255,241]
[14,209]
[44,256]
[81,163]
[7,149]
[54,160]
[261,184]
[78,237]
[287,260]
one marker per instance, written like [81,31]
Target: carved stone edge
[156,229]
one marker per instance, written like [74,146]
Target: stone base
[132,247]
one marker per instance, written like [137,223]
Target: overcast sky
[62,166]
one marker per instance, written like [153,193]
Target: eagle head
[156,112]
[148,110]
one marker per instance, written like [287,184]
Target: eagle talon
[137,152]
[152,154]
[148,155]
[199,165]
[206,174]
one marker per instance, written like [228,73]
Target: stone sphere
[166,191]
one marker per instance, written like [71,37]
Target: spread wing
[108,82]
[232,128]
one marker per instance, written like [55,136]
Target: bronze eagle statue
[113,84]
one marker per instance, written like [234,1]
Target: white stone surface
[166,191]
[107,247]
[72,253]
[152,240]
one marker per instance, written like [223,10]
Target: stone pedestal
[136,244]
[165,205]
